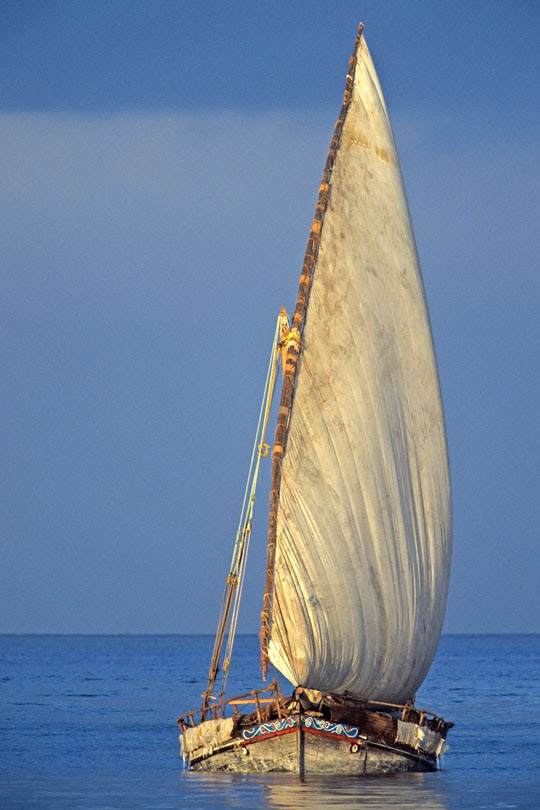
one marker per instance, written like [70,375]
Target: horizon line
[211,635]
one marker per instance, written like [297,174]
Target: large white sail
[364,518]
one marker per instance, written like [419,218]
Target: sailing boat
[360,517]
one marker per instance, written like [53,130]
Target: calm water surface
[88,722]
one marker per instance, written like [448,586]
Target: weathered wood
[258,705]
[301,747]
[341,735]
[315,754]
[216,709]
[345,738]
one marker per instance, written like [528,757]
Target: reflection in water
[339,793]
[276,791]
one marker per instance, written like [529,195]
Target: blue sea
[89,722]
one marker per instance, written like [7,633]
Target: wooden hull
[303,745]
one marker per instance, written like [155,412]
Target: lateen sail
[363,525]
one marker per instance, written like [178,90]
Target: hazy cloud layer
[144,258]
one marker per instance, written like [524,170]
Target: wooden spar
[293,351]
[230,588]
[409,713]
[216,709]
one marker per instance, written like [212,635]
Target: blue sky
[160,163]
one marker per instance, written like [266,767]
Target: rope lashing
[292,335]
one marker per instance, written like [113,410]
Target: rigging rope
[235,579]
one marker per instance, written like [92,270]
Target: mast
[293,343]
